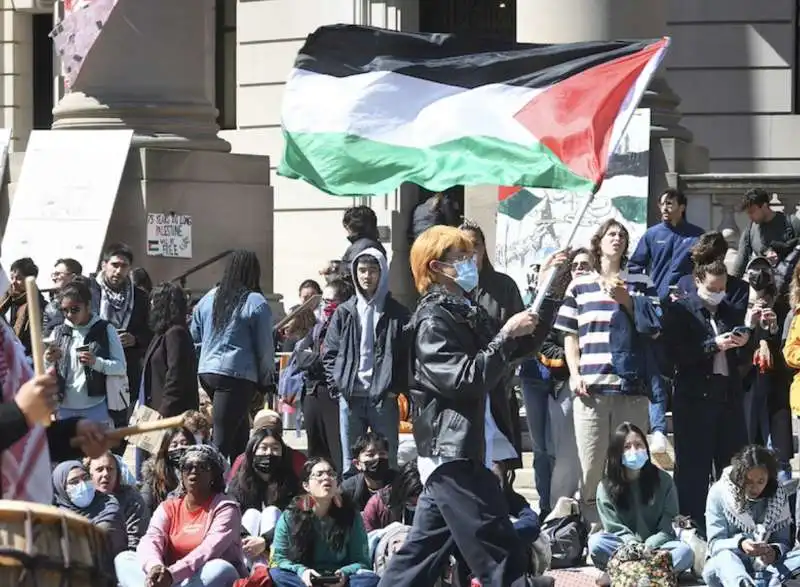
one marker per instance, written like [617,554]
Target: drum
[44,546]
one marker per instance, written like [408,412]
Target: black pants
[230,399]
[321,418]
[121,419]
[771,391]
[461,507]
[709,426]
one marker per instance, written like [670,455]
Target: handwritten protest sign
[169,235]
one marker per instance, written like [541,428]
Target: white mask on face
[712,298]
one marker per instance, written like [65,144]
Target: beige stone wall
[307,223]
[16,82]
[731,63]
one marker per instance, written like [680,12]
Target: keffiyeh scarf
[776,517]
[116,307]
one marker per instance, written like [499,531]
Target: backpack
[568,537]
[393,538]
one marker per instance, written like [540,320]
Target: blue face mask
[81,494]
[466,274]
[634,459]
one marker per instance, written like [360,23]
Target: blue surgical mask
[634,459]
[81,494]
[466,274]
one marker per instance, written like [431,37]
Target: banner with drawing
[534,223]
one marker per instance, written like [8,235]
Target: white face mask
[712,298]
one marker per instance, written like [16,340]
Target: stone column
[150,70]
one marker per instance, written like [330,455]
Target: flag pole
[544,286]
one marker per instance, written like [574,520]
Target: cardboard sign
[151,441]
[169,235]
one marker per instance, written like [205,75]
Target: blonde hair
[794,288]
[433,245]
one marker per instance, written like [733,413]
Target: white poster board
[536,222]
[169,235]
[64,198]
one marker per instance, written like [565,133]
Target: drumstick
[141,428]
[308,304]
[35,325]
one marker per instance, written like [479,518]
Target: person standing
[14,305]
[169,370]
[456,358]
[364,357]
[361,225]
[708,405]
[603,399]
[87,353]
[64,271]
[232,326]
[766,226]
[117,301]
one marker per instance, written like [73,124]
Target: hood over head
[383,282]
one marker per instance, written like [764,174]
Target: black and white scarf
[776,517]
[116,307]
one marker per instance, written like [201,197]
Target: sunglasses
[72,310]
[196,466]
[580,265]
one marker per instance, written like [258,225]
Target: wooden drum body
[44,546]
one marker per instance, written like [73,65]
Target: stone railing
[714,199]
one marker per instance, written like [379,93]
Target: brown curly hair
[710,247]
[594,245]
[794,288]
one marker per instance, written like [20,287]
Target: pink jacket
[222,539]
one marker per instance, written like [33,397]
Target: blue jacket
[664,254]
[244,349]
[737,295]
[634,350]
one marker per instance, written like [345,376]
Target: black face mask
[174,456]
[265,463]
[377,470]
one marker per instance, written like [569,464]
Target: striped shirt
[587,311]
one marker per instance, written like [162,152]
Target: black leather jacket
[453,366]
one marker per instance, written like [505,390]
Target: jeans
[358,414]
[556,469]
[214,573]
[603,545]
[98,413]
[658,417]
[728,568]
[258,523]
[283,578]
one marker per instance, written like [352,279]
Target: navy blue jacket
[634,350]
[689,340]
[664,254]
[737,295]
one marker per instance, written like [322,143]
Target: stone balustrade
[714,199]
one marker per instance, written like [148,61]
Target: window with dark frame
[225,70]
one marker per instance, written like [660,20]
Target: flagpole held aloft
[544,286]
[37,344]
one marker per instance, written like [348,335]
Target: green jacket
[649,523]
[352,558]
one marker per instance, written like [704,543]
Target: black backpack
[568,537]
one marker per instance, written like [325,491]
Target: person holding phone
[702,341]
[85,351]
[748,524]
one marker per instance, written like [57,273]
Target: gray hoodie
[369,312]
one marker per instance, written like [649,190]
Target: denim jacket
[244,349]
[634,349]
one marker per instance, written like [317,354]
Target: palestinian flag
[367,109]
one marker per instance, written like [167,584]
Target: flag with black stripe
[367,109]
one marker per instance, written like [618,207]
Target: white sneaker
[658,442]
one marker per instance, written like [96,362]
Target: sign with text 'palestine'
[169,235]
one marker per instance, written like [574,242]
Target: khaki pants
[596,417]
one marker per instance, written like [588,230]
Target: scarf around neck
[116,307]
[776,517]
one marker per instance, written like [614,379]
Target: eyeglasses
[71,310]
[200,467]
[329,473]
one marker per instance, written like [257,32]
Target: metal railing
[181,279]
